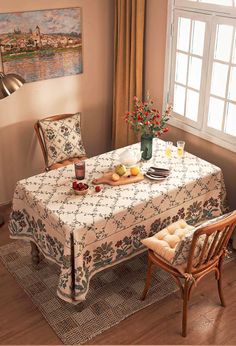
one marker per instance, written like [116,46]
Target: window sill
[204,135]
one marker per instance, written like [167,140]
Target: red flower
[145,118]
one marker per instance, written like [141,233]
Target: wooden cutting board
[106,179]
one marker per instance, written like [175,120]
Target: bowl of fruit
[80,188]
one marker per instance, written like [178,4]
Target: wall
[154,81]
[89,92]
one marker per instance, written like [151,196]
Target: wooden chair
[40,136]
[210,258]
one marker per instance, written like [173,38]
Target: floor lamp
[9,83]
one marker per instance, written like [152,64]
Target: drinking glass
[168,151]
[80,170]
[180,148]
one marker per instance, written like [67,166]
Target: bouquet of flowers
[146,119]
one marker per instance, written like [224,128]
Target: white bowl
[81,192]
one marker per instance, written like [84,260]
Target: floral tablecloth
[86,234]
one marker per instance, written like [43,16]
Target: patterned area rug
[114,294]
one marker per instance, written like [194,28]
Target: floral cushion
[62,138]
[173,242]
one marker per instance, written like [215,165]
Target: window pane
[230,121]
[192,105]
[198,34]
[234,47]
[219,79]
[184,25]
[179,99]
[195,71]
[215,114]
[232,84]
[181,68]
[218,2]
[223,42]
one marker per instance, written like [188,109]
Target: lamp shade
[9,83]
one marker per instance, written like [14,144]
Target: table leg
[34,253]
[1,220]
[234,240]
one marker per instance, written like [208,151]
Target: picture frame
[42,44]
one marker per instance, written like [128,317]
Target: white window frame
[205,19]
[211,131]
[198,9]
[223,10]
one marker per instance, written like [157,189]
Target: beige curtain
[128,65]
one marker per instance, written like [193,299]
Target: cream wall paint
[89,92]
[154,81]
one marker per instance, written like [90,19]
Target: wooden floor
[159,324]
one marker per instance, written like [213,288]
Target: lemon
[135,170]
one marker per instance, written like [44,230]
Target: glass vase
[146,146]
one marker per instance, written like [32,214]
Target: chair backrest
[40,136]
[211,242]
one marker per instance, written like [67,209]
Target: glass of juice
[168,151]
[180,148]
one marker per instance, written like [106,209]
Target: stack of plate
[157,173]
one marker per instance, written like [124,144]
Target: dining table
[90,233]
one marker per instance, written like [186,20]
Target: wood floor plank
[158,324]
[21,322]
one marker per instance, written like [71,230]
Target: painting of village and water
[42,44]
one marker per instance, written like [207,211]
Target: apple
[79,186]
[98,188]
[120,170]
[74,185]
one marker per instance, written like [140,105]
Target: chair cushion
[173,242]
[62,138]
[67,162]
[164,242]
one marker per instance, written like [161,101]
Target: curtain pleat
[128,65]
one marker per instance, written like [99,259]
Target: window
[217,2]
[221,6]
[202,69]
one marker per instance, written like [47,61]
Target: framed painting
[42,44]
